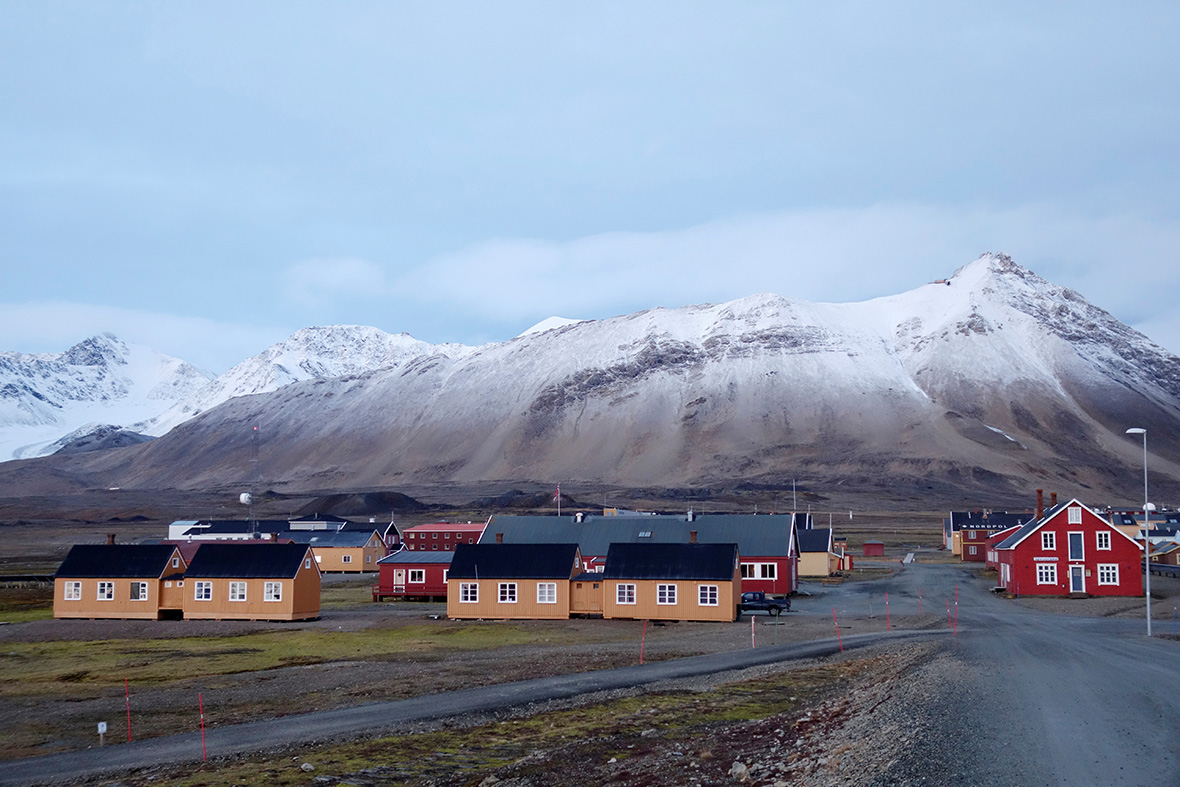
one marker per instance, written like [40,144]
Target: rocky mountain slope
[992,382]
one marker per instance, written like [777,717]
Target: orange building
[228,581]
[119,581]
[512,581]
[672,582]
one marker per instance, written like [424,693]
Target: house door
[1077,579]
[399,580]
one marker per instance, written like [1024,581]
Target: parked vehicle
[757,601]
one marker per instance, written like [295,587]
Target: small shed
[873,549]
[412,575]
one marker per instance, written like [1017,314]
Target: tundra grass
[586,735]
[61,668]
[23,603]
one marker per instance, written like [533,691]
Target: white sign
[102,728]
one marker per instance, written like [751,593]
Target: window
[319,559]
[546,592]
[139,591]
[237,591]
[1103,539]
[468,593]
[307,562]
[434,546]
[971,534]
[410,536]
[176,562]
[203,591]
[972,550]
[759,571]
[106,591]
[1075,547]
[435,535]
[706,595]
[747,570]
[1048,541]
[625,593]
[418,575]
[1046,573]
[1108,573]
[666,594]
[73,591]
[445,572]
[346,558]
[507,592]
[769,570]
[368,558]
[1075,515]
[272,591]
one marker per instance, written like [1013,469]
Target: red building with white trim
[1070,551]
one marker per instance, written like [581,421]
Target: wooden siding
[361,559]
[586,596]
[393,580]
[121,606]
[687,606]
[525,607]
[300,599]
[814,564]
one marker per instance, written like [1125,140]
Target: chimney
[1040,504]
[578,517]
[692,536]
[1052,500]
[499,538]
[110,538]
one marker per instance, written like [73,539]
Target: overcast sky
[208,177]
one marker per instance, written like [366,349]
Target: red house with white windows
[1070,551]
[442,536]
[412,574]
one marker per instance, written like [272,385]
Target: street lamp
[1146,529]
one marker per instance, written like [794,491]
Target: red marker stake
[127,694]
[839,639]
[642,641]
[201,707]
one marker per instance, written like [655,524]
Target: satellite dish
[245,498]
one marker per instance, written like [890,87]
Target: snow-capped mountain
[97,382]
[308,354]
[992,380]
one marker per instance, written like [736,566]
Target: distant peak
[549,324]
[98,350]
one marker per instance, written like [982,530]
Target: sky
[207,178]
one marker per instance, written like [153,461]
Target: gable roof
[86,561]
[762,535]
[819,540]
[410,556]
[513,561]
[1034,525]
[672,561]
[332,538]
[228,560]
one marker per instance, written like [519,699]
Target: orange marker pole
[838,637]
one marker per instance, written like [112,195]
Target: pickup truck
[756,601]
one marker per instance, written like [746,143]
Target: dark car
[756,601]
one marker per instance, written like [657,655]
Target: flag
[557,495]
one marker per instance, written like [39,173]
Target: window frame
[346,558]
[1111,572]
[272,591]
[1046,573]
[708,595]
[506,592]
[666,594]
[105,591]
[1048,540]
[1075,515]
[468,592]
[72,591]
[202,590]
[1102,541]
[416,576]
[139,590]
[238,591]
[625,594]
[546,592]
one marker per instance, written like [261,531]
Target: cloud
[837,255]
[317,282]
[54,326]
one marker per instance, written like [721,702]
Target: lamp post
[1146,529]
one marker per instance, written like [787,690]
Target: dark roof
[418,557]
[815,540]
[116,560]
[513,561]
[671,561]
[216,559]
[763,535]
[331,538]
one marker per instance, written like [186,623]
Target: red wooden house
[410,574]
[1070,551]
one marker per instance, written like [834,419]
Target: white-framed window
[417,576]
[759,570]
[1108,573]
[468,593]
[202,591]
[1103,539]
[175,562]
[972,550]
[769,570]
[346,558]
[1048,541]
[748,570]
[318,559]
[625,593]
[307,562]
[272,591]
[368,558]
[666,594]
[106,591]
[445,572]
[1075,515]
[237,591]
[1046,573]
[507,592]
[73,591]
[139,591]
[707,595]
[546,592]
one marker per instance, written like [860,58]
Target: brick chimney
[1052,500]
[1040,504]
[111,538]
[499,538]
[692,536]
